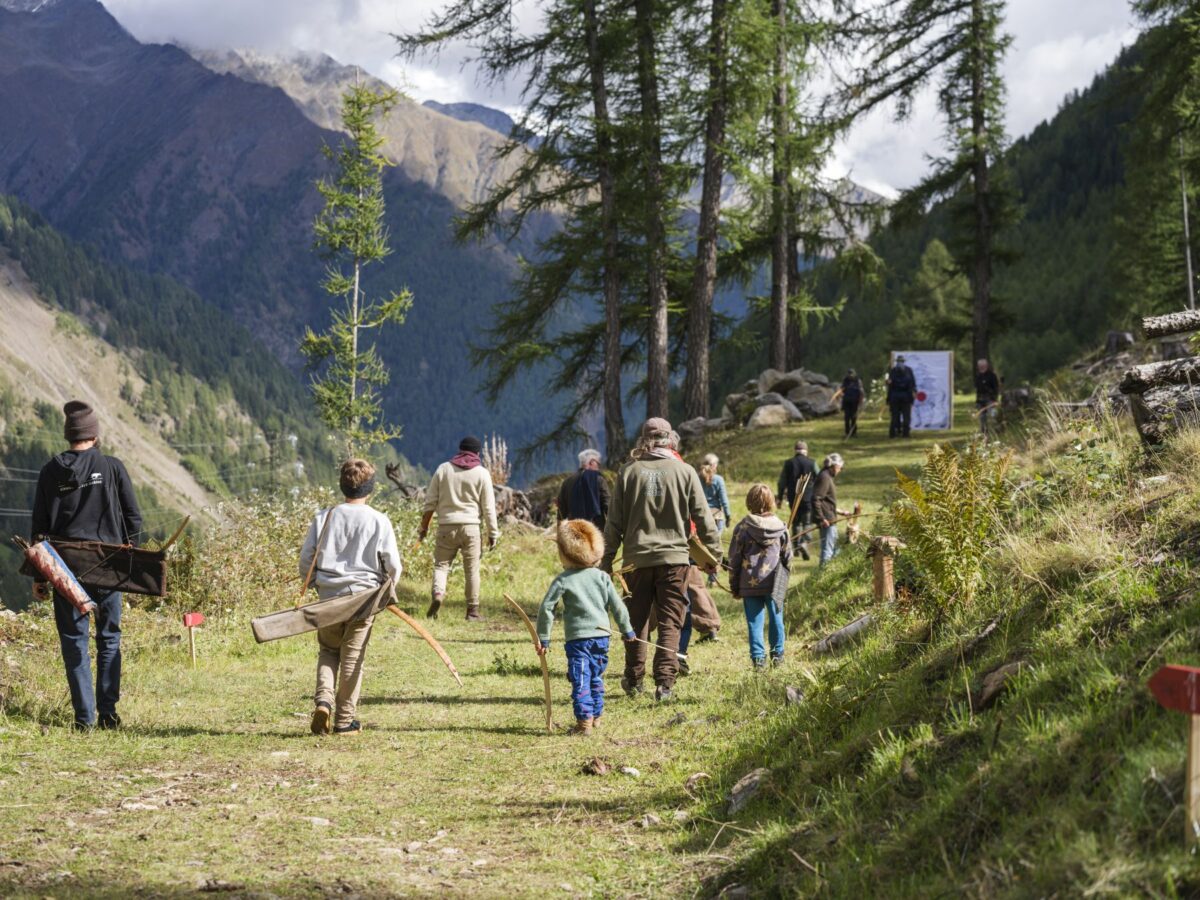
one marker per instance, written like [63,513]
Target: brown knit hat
[580,543]
[81,422]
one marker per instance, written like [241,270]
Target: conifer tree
[350,235]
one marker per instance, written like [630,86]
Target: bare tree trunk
[656,276]
[777,355]
[981,276]
[614,414]
[354,350]
[795,340]
[696,382]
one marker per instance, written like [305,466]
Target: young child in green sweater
[587,596]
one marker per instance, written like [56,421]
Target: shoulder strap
[317,552]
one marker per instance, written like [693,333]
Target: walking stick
[537,644]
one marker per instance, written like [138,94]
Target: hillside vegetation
[890,773]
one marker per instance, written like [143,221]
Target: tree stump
[883,550]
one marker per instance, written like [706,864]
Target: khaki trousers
[451,540]
[342,649]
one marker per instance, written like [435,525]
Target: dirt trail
[43,364]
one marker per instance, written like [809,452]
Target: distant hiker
[461,495]
[355,550]
[587,596]
[825,505]
[716,497]
[84,495]
[901,393]
[655,497]
[852,396]
[760,555]
[987,396]
[795,470]
[585,495]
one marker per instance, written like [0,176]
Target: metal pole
[1187,230]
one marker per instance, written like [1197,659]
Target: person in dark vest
[987,396]
[794,470]
[84,495]
[901,392]
[584,495]
[852,396]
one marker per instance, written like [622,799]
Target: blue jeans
[755,607]
[685,633]
[73,640]
[829,547]
[587,658]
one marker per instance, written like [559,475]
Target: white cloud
[1059,46]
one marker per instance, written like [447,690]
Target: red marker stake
[1178,688]
[190,621]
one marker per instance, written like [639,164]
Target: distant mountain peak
[27,6]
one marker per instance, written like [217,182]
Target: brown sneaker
[320,719]
[434,606]
[582,727]
[595,723]
[473,614]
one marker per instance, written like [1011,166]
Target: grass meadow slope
[888,778]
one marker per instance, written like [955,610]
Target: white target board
[933,408]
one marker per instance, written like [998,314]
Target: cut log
[882,551]
[843,635]
[1140,379]
[1171,323]
[1161,411]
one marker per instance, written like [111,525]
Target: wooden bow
[537,645]
[429,639]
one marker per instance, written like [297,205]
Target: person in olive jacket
[654,501]
[825,506]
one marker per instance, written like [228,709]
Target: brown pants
[451,540]
[342,651]
[661,590]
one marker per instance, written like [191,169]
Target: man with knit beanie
[84,495]
[461,496]
[655,499]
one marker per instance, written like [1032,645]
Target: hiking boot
[473,614]
[108,722]
[354,727]
[630,687]
[760,665]
[320,719]
[582,727]
[684,668]
[803,551]
[709,637]
[776,662]
[84,727]
[662,694]
[434,606]
[595,723]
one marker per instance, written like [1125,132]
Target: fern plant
[950,518]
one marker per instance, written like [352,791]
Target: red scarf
[465,459]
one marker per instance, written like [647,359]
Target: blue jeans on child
[755,607]
[829,547]
[73,641]
[587,659]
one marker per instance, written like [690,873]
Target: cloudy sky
[1059,45]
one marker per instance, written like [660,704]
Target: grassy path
[216,784]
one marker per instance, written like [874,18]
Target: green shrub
[950,518]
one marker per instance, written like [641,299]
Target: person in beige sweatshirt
[460,495]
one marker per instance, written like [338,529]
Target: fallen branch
[843,635]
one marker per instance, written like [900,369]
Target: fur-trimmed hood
[580,543]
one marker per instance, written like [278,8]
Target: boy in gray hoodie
[759,558]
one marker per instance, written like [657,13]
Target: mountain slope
[155,159]
[453,155]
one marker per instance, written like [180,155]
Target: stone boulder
[813,400]
[774,414]
[738,407]
[815,377]
[694,429]
[767,380]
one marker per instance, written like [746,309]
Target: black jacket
[902,385]
[583,490]
[87,496]
[987,387]
[793,470]
[853,394]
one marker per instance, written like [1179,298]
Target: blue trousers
[587,659]
[755,608]
[829,547]
[73,641]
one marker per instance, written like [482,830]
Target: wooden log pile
[1165,396]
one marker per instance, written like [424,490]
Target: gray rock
[766,381]
[994,682]
[692,429]
[745,789]
[769,398]
[795,695]
[815,377]
[813,400]
[772,416]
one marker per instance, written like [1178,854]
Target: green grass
[884,779]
